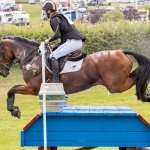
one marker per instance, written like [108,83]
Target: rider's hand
[51,46]
[47,41]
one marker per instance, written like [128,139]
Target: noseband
[4,61]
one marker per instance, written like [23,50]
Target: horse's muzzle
[4,73]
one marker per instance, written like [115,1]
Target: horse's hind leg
[122,86]
[118,80]
[20,89]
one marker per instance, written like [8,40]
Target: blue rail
[91,126]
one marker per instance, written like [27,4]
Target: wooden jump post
[89,127]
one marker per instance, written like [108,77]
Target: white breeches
[68,47]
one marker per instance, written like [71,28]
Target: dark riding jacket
[63,29]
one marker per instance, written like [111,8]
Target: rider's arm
[56,28]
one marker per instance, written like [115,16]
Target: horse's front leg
[18,89]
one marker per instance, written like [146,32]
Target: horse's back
[111,56]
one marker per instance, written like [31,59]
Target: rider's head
[49,7]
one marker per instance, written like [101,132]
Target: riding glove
[47,41]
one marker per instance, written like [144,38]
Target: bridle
[4,61]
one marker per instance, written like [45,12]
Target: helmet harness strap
[48,14]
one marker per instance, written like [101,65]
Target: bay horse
[111,68]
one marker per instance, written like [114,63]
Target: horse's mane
[25,40]
[32,53]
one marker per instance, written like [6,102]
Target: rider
[71,38]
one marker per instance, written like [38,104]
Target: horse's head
[5,62]
[21,49]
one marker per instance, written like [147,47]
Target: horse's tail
[141,74]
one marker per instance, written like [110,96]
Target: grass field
[10,127]
[35,11]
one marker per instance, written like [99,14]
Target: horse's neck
[23,52]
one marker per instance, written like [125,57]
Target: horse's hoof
[16,112]
[19,114]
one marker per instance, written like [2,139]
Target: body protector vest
[67,31]
[69,20]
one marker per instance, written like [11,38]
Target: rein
[25,56]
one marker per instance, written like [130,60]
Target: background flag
[67,3]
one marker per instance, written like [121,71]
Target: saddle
[75,56]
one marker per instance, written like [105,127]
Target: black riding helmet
[49,5]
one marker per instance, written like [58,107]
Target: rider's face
[47,13]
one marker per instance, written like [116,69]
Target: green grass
[35,11]
[97,96]
[10,127]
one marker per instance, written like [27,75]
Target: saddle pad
[72,66]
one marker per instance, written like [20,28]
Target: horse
[111,68]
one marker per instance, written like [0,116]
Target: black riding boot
[55,70]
